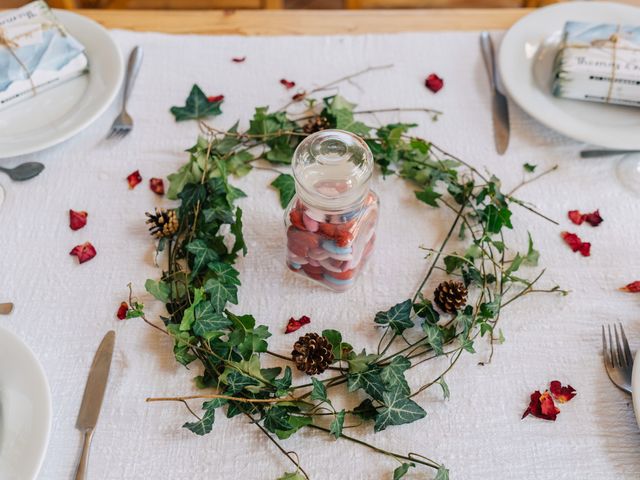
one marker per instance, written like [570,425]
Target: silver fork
[123,123]
[618,362]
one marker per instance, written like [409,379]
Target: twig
[532,179]
[221,397]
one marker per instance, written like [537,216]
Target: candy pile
[331,248]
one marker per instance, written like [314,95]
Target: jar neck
[333,205]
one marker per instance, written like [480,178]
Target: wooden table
[301,22]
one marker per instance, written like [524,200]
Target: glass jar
[331,220]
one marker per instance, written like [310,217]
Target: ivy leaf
[393,374]
[453,263]
[276,418]
[197,106]
[532,254]
[236,230]
[402,470]
[221,213]
[188,316]
[434,337]
[237,381]
[292,476]
[366,410]
[442,474]
[208,320]
[202,255]
[495,218]
[360,362]
[296,422]
[425,310]
[445,388]
[397,410]
[515,265]
[335,428]
[159,289]
[397,317]
[286,187]
[221,293]
[225,273]
[339,347]
[283,384]
[529,167]
[369,381]
[319,391]
[191,195]
[428,196]
[205,424]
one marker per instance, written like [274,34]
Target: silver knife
[500,108]
[92,399]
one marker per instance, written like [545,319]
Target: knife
[500,108]
[92,398]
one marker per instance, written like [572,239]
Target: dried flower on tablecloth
[434,83]
[594,219]
[157,185]
[560,393]
[294,324]
[298,97]
[84,252]
[134,179]
[238,59]
[576,244]
[633,287]
[215,98]
[542,406]
[77,220]
[122,311]
[288,84]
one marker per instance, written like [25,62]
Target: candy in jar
[331,220]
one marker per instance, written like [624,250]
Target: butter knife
[92,399]
[500,107]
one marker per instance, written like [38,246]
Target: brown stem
[532,179]
[222,397]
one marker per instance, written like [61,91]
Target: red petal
[238,59]
[122,311]
[294,324]
[541,406]
[77,220]
[84,252]
[157,186]
[434,83]
[576,217]
[288,84]
[134,179]
[298,97]
[594,219]
[585,249]
[215,98]
[560,393]
[572,240]
[296,219]
[633,287]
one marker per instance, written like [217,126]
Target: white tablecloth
[63,309]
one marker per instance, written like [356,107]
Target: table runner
[62,309]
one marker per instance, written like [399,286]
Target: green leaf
[496,218]
[179,179]
[425,310]
[489,310]
[397,317]
[286,187]
[158,289]
[221,293]
[197,106]
[434,337]
[393,374]
[202,255]
[208,320]
[276,418]
[191,195]
[369,381]
[443,474]
[292,476]
[337,424]
[402,470]
[532,254]
[529,167]
[445,388]
[225,273]
[515,265]
[283,385]
[397,410]
[205,424]
[366,410]
[360,362]
[220,213]
[188,316]
[296,422]
[236,230]
[453,263]
[237,381]
[428,196]
[319,391]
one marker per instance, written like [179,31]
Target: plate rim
[635,386]
[63,16]
[508,83]
[14,338]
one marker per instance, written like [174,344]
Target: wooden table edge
[305,22]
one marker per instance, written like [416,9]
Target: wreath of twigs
[199,281]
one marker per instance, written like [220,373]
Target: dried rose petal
[576,217]
[298,97]
[215,98]
[560,393]
[157,186]
[296,219]
[77,220]
[122,311]
[585,249]
[288,84]
[294,324]
[434,83]
[84,252]
[594,219]
[238,59]
[134,179]
[576,244]
[633,287]
[542,406]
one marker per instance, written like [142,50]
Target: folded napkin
[598,63]
[36,53]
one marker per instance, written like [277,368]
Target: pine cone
[316,124]
[450,296]
[163,224]
[312,353]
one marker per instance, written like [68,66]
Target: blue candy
[337,281]
[330,246]
[295,266]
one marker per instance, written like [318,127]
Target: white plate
[56,115]
[524,61]
[25,410]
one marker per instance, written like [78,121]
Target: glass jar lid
[332,169]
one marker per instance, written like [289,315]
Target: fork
[123,123]
[618,363]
